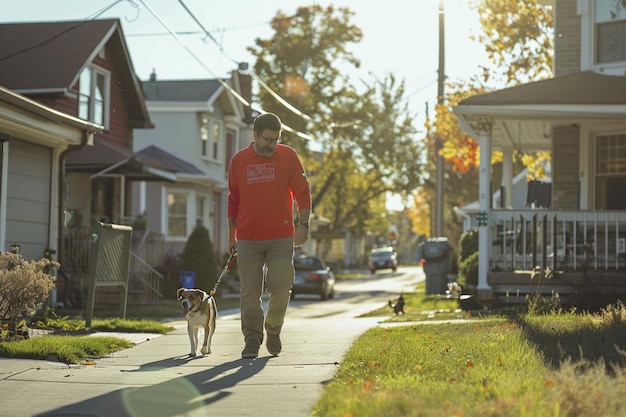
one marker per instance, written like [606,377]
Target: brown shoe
[274,345]
[251,350]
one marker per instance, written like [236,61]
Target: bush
[468,271]
[199,256]
[468,244]
[24,287]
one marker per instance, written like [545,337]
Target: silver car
[312,277]
[383,258]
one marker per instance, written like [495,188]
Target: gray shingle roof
[171,161]
[585,88]
[182,90]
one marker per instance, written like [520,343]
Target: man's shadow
[178,396]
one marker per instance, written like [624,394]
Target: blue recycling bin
[188,279]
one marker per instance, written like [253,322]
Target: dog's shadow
[182,395]
[165,363]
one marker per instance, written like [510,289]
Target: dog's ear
[179,293]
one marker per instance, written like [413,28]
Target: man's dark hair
[268,121]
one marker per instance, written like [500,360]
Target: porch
[579,254]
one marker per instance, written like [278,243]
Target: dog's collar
[204,300]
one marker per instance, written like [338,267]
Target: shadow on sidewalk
[186,395]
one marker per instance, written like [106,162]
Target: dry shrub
[585,389]
[24,287]
[613,315]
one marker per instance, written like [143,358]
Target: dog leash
[226,268]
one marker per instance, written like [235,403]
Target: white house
[198,126]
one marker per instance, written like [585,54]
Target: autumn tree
[518,38]
[365,143]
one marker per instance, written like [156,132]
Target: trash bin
[437,258]
[188,279]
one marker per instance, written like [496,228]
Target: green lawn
[556,364]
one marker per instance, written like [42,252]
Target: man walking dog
[263,181]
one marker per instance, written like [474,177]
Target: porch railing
[561,240]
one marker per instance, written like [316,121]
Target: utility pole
[439,140]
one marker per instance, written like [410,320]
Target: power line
[257,78]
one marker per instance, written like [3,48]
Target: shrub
[199,256]
[24,287]
[468,270]
[468,244]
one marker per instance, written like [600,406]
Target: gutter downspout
[86,139]
[467,219]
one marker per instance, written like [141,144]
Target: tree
[199,256]
[518,36]
[365,142]
[518,39]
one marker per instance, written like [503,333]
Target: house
[199,125]
[33,138]
[89,76]
[580,116]
[525,194]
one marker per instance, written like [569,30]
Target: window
[230,147]
[610,31]
[611,172]
[204,135]
[216,140]
[201,205]
[93,96]
[176,214]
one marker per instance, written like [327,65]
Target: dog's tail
[392,305]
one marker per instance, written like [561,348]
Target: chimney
[153,75]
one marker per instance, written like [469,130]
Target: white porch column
[507,177]
[4,173]
[483,128]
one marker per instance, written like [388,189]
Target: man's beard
[265,150]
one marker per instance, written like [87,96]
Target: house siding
[565,167]
[29,188]
[567,42]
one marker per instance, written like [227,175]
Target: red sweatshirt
[261,191]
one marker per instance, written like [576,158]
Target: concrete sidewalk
[155,378]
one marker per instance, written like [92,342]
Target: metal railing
[561,240]
[150,278]
[143,277]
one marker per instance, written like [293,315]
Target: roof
[54,116]
[182,90]
[64,49]
[104,157]
[586,87]
[523,117]
[171,161]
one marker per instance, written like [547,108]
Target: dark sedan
[313,277]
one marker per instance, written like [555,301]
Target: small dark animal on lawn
[200,310]
[398,307]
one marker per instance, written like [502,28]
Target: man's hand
[301,236]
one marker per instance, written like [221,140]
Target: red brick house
[83,69]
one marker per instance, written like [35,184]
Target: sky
[400,37]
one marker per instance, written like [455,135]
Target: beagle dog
[200,310]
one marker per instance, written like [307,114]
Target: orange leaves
[295,86]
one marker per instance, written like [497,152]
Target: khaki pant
[276,279]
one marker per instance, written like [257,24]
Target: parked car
[313,277]
[383,258]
